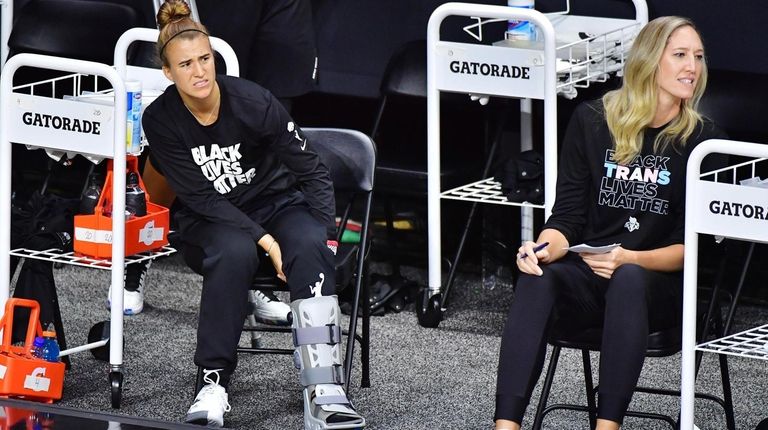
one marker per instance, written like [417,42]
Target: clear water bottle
[520,30]
[135,199]
[50,349]
[37,347]
[133,125]
[90,196]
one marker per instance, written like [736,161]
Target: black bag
[44,222]
[522,177]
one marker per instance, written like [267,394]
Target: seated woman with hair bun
[251,187]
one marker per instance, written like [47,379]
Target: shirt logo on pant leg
[317,289]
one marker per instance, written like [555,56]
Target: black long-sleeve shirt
[241,169]
[640,204]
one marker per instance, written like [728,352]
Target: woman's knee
[537,286]
[629,282]
[236,252]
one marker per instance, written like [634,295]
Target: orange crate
[93,233]
[23,375]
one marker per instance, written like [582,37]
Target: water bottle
[50,349]
[90,196]
[135,199]
[520,30]
[37,347]
[133,126]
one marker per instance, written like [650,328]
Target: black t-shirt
[241,169]
[640,205]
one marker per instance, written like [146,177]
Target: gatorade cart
[95,93]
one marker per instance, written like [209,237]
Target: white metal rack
[108,142]
[62,98]
[588,50]
[706,197]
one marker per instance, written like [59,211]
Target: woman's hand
[277,260]
[604,265]
[272,248]
[530,264]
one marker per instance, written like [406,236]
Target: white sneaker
[210,403]
[268,309]
[133,296]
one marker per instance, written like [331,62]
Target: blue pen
[536,249]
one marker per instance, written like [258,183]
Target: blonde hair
[630,109]
[174,20]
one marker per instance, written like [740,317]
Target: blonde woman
[621,180]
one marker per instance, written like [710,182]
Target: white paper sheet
[583,247]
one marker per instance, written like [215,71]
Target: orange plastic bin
[93,233]
[23,375]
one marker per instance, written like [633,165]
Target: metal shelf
[58,256]
[484,191]
[752,343]
[727,202]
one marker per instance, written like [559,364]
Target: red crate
[93,233]
[23,375]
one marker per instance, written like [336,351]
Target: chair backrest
[406,72]
[349,154]
[85,30]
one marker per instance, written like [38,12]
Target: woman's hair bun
[172,11]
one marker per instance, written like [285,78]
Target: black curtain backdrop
[356,37]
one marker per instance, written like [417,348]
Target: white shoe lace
[209,389]
[263,297]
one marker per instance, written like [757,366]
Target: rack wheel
[100,331]
[428,309]
[116,388]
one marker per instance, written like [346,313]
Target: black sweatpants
[630,305]
[230,260]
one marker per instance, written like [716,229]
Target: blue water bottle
[520,30]
[37,347]
[50,349]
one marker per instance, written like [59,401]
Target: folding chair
[661,343]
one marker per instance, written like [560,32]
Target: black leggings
[620,305]
[230,258]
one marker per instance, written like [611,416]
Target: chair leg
[365,346]
[590,387]
[727,395]
[352,332]
[539,418]
[361,289]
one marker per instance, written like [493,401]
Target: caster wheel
[428,309]
[116,387]
[100,331]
